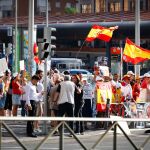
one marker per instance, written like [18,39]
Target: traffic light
[48,46]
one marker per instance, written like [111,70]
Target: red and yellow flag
[101,33]
[135,54]
[35,52]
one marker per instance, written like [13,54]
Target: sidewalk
[19,128]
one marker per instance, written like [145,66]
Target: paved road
[89,138]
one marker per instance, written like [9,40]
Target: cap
[130,72]
[98,78]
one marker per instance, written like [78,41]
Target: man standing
[32,98]
[65,102]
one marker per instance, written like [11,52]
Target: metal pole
[121,61]
[0,134]
[61,141]
[115,137]
[30,34]
[137,23]
[16,26]
[45,78]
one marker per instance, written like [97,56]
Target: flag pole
[80,49]
[121,60]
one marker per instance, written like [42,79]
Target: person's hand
[43,92]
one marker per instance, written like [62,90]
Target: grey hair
[67,77]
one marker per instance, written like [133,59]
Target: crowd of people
[70,95]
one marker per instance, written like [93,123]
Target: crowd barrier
[62,124]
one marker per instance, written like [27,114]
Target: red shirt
[16,88]
[136,90]
[144,84]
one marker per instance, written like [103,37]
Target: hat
[126,76]
[98,78]
[1,74]
[147,75]
[15,74]
[130,72]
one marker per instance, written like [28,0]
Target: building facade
[73,20]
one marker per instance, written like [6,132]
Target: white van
[62,64]
[66,63]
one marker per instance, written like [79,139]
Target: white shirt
[66,92]
[127,91]
[32,93]
[88,92]
[40,88]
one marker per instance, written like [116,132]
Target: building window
[57,4]
[68,5]
[86,8]
[114,6]
[131,5]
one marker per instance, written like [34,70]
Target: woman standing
[17,91]
[2,95]
[78,99]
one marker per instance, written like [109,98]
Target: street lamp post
[16,26]
[45,78]
[137,27]
[30,33]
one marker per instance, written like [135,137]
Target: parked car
[81,71]
[85,73]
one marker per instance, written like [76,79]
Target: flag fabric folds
[35,52]
[101,33]
[134,54]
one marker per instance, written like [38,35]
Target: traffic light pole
[45,78]
[137,27]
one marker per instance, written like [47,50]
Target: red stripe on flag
[133,60]
[104,37]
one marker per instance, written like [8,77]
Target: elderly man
[65,95]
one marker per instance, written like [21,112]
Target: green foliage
[70,10]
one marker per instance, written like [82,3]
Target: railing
[63,124]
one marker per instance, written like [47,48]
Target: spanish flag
[101,33]
[135,54]
[35,52]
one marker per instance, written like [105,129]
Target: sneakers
[70,135]
[37,130]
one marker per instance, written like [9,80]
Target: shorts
[2,101]
[16,99]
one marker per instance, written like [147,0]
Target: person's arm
[28,95]
[78,89]
[56,95]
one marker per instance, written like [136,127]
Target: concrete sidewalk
[19,128]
